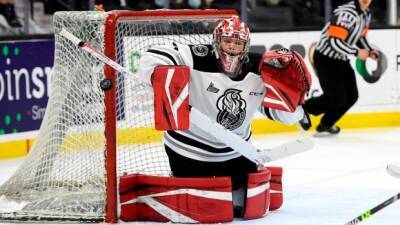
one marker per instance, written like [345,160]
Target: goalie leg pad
[171,97]
[258,194]
[276,188]
[179,200]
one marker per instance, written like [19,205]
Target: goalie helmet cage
[90,136]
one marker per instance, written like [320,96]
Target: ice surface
[341,178]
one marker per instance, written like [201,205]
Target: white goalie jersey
[232,103]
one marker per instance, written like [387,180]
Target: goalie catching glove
[287,79]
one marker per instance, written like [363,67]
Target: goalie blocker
[171,97]
[196,200]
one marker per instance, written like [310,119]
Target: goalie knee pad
[179,200]
[258,194]
[276,187]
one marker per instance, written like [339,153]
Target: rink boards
[378,105]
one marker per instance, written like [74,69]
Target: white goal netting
[64,175]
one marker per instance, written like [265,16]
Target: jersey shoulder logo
[200,50]
[211,88]
[232,109]
[346,19]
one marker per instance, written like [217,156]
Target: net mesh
[63,176]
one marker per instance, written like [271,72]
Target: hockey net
[90,136]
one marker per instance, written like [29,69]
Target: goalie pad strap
[258,194]
[171,97]
[276,187]
[179,200]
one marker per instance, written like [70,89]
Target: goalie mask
[231,45]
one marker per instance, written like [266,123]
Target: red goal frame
[111,207]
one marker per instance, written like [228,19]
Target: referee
[344,35]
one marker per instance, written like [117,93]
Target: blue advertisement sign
[25,68]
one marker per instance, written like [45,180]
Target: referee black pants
[339,86]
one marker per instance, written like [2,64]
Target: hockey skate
[323,131]
[305,122]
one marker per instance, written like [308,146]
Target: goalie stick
[201,121]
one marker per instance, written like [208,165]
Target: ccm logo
[255,93]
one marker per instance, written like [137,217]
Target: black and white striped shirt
[345,32]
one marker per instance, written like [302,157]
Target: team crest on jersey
[200,50]
[232,109]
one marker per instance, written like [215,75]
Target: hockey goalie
[210,181]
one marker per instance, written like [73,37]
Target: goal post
[93,133]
